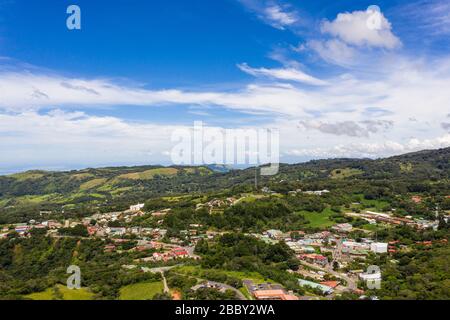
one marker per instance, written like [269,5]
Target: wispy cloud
[334,51]
[401,88]
[430,16]
[349,128]
[279,18]
[288,74]
[273,13]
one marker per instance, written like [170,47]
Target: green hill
[24,195]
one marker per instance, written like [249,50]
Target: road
[226,287]
[351,284]
[160,269]
[166,287]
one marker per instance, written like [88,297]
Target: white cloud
[348,128]
[430,16]
[273,13]
[60,137]
[394,93]
[362,28]
[289,74]
[334,51]
[372,150]
[404,88]
[278,17]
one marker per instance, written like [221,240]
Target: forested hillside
[23,195]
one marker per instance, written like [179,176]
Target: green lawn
[49,294]
[141,291]
[318,219]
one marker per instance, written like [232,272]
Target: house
[416,199]
[21,229]
[179,253]
[157,256]
[317,193]
[371,277]
[92,230]
[116,231]
[343,227]
[109,248]
[426,224]
[331,284]
[143,247]
[135,230]
[351,246]
[277,294]
[52,224]
[314,258]
[137,207]
[266,190]
[325,289]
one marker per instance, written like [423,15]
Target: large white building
[379,247]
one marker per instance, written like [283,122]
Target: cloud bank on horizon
[336,84]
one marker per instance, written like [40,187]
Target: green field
[141,291]
[92,184]
[344,173]
[67,294]
[149,174]
[318,220]
[375,204]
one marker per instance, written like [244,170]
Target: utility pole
[256,178]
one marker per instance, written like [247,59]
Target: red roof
[332,284]
[180,252]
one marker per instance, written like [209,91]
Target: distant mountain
[221,168]
[128,184]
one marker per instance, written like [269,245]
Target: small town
[327,260]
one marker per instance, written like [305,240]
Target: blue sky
[112,92]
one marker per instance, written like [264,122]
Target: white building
[379,247]
[370,276]
[137,207]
